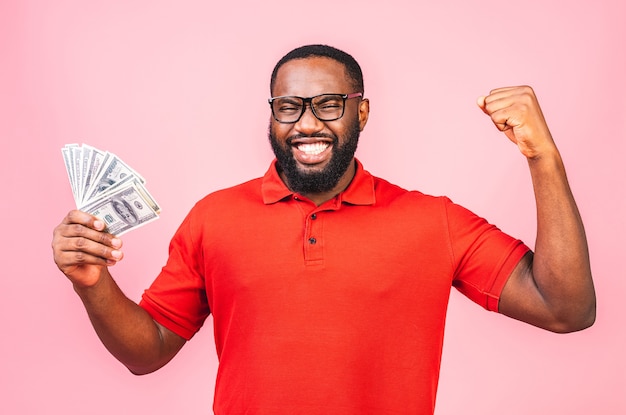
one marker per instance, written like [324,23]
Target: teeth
[314,148]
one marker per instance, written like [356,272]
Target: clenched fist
[516,112]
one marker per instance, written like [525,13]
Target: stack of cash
[106,187]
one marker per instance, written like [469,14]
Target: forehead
[311,76]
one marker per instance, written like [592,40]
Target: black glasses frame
[309,101]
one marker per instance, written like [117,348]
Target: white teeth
[314,148]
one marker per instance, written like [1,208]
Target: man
[328,286]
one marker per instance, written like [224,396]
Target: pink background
[179,92]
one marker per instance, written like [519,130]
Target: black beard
[317,181]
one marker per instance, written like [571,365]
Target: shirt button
[314,216]
[312,241]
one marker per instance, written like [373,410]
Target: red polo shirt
[336,309]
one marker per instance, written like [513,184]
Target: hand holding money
[104,186]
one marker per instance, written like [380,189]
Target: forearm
[125,329]
[561,268]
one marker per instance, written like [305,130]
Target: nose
[308,122]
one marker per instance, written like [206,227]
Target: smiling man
[328,286]
[315,149]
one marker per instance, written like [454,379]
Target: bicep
[168,345]
[521,299]
[170,341]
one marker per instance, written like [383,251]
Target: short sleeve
[177,298]
[484,256]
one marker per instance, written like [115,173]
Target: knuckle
[104,238]
[528,94]
[80,243]
[104,252]
[72,216]
[80,257]
[78,229]
[55,236]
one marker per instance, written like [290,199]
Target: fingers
[85,219]
[79,242]
[80,231]
[506,98]
[516,112]
[497,105]
[508,107]
[498,117]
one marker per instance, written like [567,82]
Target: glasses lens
[287,109]
[328,107]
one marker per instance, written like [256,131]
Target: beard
[306,182]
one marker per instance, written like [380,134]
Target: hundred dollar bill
[122,185]
[112,171]
[75,154]
[69,164]
[123,210]
[82,157]
[91,166]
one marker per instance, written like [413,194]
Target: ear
[364,112]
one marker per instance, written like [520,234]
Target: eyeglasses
[325,107]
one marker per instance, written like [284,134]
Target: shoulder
[438,210]
[250,190]
[224,205]
[233,200]
[388,193]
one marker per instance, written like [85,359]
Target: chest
[295,255]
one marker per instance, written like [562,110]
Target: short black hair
[352,67]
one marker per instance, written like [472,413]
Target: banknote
[103,185]
[92,160]
[124,210]
[112,172]
[67,157]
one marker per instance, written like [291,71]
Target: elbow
[579,321]
[144,366]
[141,371]
[571,327]
[137,372]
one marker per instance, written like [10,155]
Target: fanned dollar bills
[106,187]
